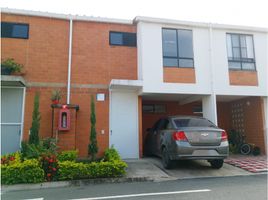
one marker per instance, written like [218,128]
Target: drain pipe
[70,60]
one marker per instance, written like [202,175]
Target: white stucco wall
[150,62]
[220,65]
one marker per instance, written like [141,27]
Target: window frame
[16,23]
[153,109]
[241,61]
[177,46]
[125,45]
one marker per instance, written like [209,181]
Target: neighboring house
[137,71]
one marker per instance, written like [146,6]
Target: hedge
[69,170]
[70,155]
[28,171]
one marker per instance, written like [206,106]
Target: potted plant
[56,96]
[9,66]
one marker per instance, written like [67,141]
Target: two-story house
[137,71]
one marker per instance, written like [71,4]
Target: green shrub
[30,150]
[93,144]
[28,171]
[36,117]
[49,145]
[68,155]
[11,158]
[69,170]
[114,168]
[46,146]
[12,65]
[111,154]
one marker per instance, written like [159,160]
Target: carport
[156,106]
[244,114]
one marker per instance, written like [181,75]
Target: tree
[93,146]
[34,131]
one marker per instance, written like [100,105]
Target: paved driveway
[151,167]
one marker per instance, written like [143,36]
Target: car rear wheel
[167,163]
[216,164]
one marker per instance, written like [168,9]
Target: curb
[57,184]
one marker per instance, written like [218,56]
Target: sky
[237,12]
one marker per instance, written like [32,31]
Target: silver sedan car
[187,137]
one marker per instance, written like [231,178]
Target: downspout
[70,60]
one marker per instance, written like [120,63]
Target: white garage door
[124,123]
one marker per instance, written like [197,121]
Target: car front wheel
[167,163]
[216,164]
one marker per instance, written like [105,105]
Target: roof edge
[65,16]
[198,24]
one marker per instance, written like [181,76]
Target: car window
[169,125]
[193,122]
[163,124]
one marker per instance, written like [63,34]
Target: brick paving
[252,164]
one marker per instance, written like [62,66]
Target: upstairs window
[14,30]
[123,39]
[240,49]
[177,48]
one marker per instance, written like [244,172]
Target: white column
[265,106]
[209,106]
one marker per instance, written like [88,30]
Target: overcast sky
[239,12]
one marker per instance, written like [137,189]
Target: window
[193,122]
[154,108]
[14,30]
[240,52]
[177,48]
[123,39]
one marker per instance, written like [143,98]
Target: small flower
[48,175]
[12,158]
[50,160]
[54,169]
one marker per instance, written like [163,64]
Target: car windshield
[193,122]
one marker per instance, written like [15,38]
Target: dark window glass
[177,48]
[14,30]
[116,38]
[193,122]
[169,43]
[240,52]
[170,62]
[185,43]
[186,63]
[123,39]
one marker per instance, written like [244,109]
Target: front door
[124,123]
[11,118]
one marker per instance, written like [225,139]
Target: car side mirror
[148,129]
